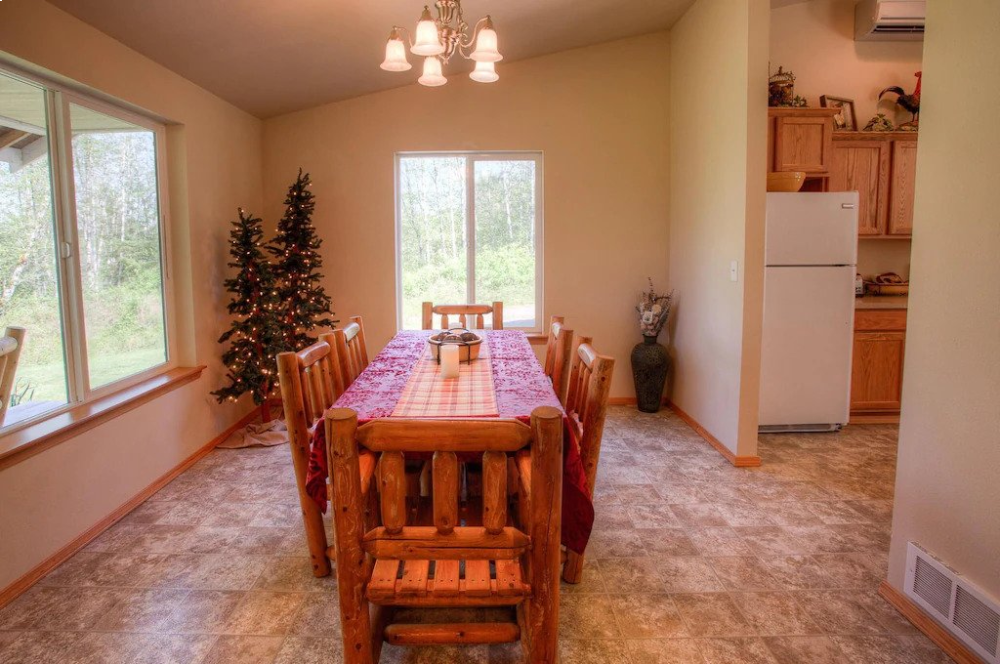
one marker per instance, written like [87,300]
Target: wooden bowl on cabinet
[790,181]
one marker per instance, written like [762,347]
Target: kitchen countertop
[881,302]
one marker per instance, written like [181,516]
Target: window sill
[24,443]
[538,339]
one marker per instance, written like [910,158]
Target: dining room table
[506,381]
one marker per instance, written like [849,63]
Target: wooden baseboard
[738,461]
[935,632]
[622,401]
[29,579]
[874,418]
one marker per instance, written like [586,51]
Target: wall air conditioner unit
[889,20]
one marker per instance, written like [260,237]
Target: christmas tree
[256,334]
[303,304]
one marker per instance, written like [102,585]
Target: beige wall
[598,114]
[947,487]
[214,155]
[816,41]
[716,211]
[878,256]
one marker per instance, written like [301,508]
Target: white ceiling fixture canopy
[437,40]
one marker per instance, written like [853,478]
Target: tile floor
[691,560]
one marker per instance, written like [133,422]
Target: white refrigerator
[811,251]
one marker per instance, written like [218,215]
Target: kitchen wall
[214,160]
[947,491]
[816,41]
[599,115]
[878,256]
[717,184]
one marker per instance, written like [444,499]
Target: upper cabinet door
[863,166]
[901,189]
[803,143]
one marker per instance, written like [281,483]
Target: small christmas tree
[255,335]
[303,303]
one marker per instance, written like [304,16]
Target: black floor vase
[650,364]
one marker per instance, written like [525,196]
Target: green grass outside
[49,379]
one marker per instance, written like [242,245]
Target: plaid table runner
[428,394]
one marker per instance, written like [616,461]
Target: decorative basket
[873,288]
[888,283]
[469,343]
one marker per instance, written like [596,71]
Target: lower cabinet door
[877,376]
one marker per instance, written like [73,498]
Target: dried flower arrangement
[654,310]
[880,123]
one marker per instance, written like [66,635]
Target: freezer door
[806,345]
[812,229]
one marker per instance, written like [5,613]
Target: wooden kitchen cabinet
[863,166]
[901,189]
[881,167]
[801,139]
[877,372]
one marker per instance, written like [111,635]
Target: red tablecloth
[520,386]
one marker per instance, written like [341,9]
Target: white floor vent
[966,611]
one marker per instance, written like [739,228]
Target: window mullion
[470,232]
[69,256]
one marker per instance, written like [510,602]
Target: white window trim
[470,221]
[58,98]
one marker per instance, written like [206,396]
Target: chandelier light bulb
[428,41]
[486,44]
[485,72]
[432,76]
[395,54]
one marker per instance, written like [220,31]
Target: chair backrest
[350,350]
[587,401]
[471,316]
[557,356]
[10,352]
[390,439]
[310,382]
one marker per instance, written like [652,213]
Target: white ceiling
[275,56]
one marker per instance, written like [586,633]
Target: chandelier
[438,40]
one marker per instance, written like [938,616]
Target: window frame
[58,99]
[471,157]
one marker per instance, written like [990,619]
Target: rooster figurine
[909,102]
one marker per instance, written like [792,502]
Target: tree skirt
[265,434]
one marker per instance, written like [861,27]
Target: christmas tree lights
[303,304]
[255,335]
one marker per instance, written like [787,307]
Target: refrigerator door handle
[848,206]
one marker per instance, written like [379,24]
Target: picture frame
[846,119]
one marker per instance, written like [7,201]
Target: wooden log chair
[11,344]
[441,552]
[470,316]
[351,350]
[557,356]
[586,407]
[311,381]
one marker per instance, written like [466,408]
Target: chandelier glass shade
[395,55]
[432,76]
[437,40]
[485,72]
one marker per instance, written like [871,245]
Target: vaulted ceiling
[275,56]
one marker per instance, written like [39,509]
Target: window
[469,230]
[81,246]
